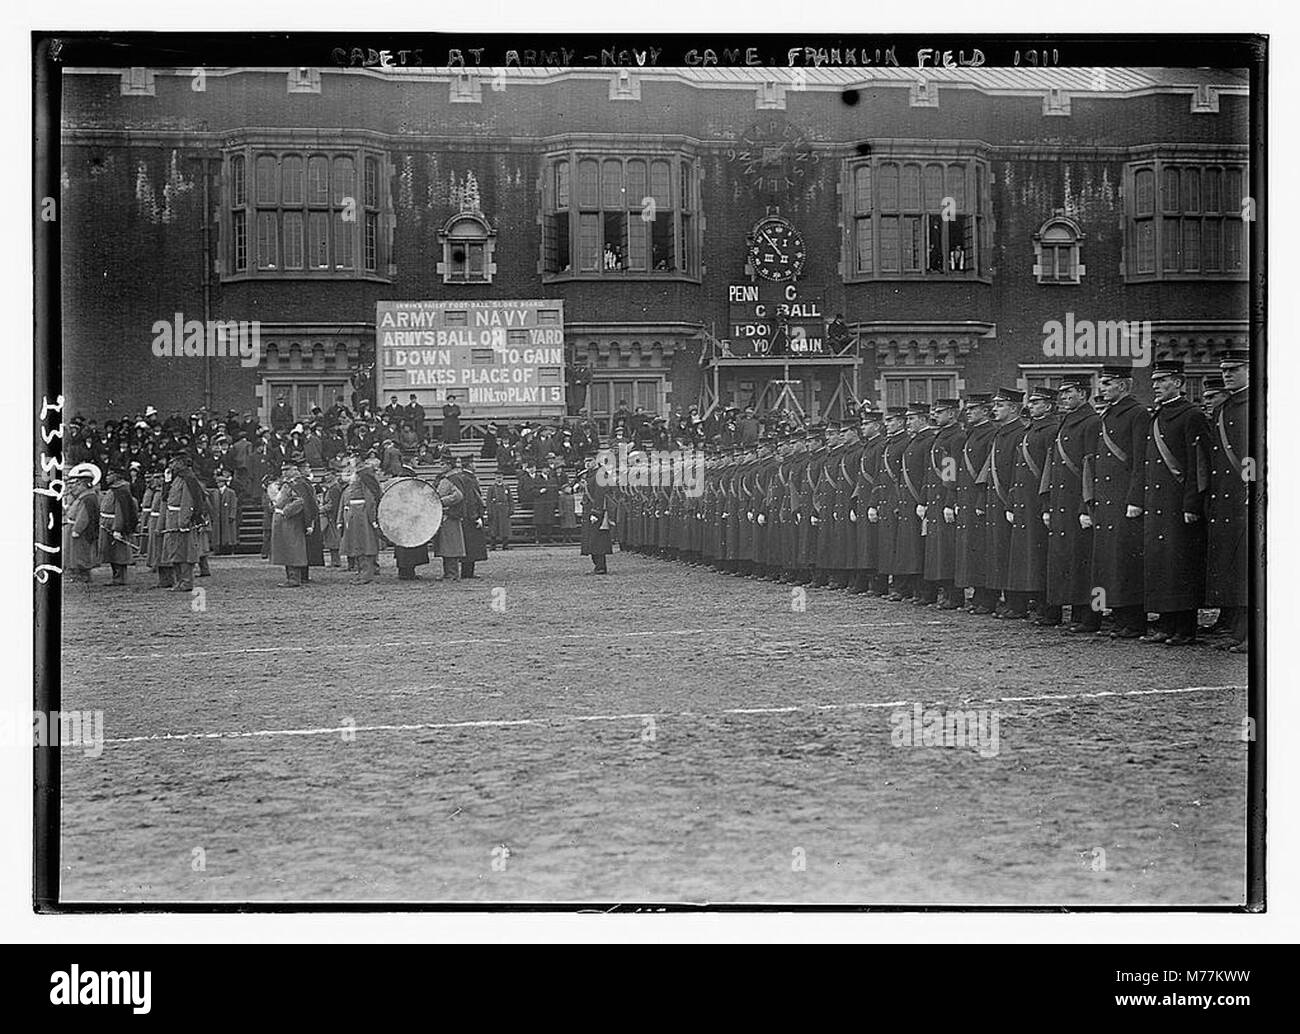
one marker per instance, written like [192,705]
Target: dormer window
[468,242]
[1057,251]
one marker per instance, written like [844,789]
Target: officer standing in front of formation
[1172,508]
[1117,481]
[941,503]
[1068,488]
[1000,503]
[1228,511]
[971,562]
[1028,573]
[597,519]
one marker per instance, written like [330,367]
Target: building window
[306,212]
[916,218]
[1185,220]
[1051,376]
[1057,251]
[468,243]
[605,393]
[918,386]
[606,215]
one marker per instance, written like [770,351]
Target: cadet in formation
[1100,516]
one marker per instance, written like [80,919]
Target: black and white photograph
[599,471]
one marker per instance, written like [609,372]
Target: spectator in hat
[414,412]
[451,421]
[281,415]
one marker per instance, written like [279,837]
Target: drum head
[410,511]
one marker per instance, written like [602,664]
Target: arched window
[1057,250]
[468,243]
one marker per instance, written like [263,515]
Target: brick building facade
[946,214]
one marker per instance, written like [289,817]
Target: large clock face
[776,249]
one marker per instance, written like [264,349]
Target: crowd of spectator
[400,436]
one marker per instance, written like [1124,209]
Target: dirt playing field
[663,734]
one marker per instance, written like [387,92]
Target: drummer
[408,558]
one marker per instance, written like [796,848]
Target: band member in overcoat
[449,543]
[81,522]
[474,517]
[288,530]
[118,519]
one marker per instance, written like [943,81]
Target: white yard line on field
[506,641]
[498,723]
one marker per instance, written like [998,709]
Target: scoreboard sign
[501,359]
[773,319]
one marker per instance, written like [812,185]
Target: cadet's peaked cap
[870,414]
[1163,366]
[1082,381]
[1214,383]
[1111,372]
[1234,357]
[918,409]
[946,404]
[1044,394]
[978,398]
[896,411]
[1008,395]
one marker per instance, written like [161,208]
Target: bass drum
[410,511]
